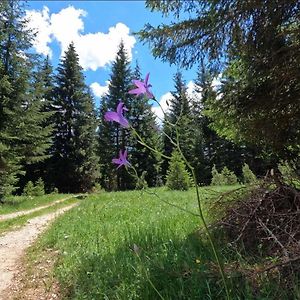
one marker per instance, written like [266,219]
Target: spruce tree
[23,140]
[142,119]
[217,150]
[112,137]
[40,123]
[180,116]
[177,177]
[75,164]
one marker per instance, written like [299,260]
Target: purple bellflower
[142,88]
[118,115]
[122,160]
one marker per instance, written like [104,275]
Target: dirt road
[13,245]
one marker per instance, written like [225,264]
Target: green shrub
[217,178]
[39,188]
[96,188]
[229,176]
[248,175]
[177,177]
[55,191]
[226,177]
[28,189]
[34,190]
[288,173]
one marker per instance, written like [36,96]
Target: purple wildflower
[122,160]
[118,115]
[142,88]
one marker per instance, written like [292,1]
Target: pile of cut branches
[267,222]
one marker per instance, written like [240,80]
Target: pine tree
[74,161]
[248,175]
[113,138]
[180,116]
[23,140]
[217,150]
[142,119]
[39,124]
[177,177]
[257,51]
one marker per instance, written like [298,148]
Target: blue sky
[96,28]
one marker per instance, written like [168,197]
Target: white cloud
[216,83]
[192,93]
[39,23]
[99,90]
[95,50]
[67,25]
[164,102]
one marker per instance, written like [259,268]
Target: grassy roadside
[17,203]
[131,245]
[15,223]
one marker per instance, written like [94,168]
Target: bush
[229,177]
[34,190]
[289,174]
[39,189]
[28,189]
[96,188]
[248,175]
[217,178]
[226,177]
[177,177]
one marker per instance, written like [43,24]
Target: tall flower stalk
[143,88]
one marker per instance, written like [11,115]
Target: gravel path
[13,245]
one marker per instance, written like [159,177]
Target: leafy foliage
[28,189]
[226,177]
[178,123]
[217,178]
[37,189]
[248,176]
[113,138]
[177,177]
[256,49]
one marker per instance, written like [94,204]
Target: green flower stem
[220,265]
[142,142]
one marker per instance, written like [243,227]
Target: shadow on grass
[144,267]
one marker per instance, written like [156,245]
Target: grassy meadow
[132,245]
[17,203]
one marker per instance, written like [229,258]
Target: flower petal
[146,79]
[117,161]
[120,108]
[138,83]
[123,122]
[111,116]
[135,91]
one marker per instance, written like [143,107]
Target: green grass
[15,223]
[131,245]
[17,203]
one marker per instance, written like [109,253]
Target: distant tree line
[51,129]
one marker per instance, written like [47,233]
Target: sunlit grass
[17,203]
[132,245]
